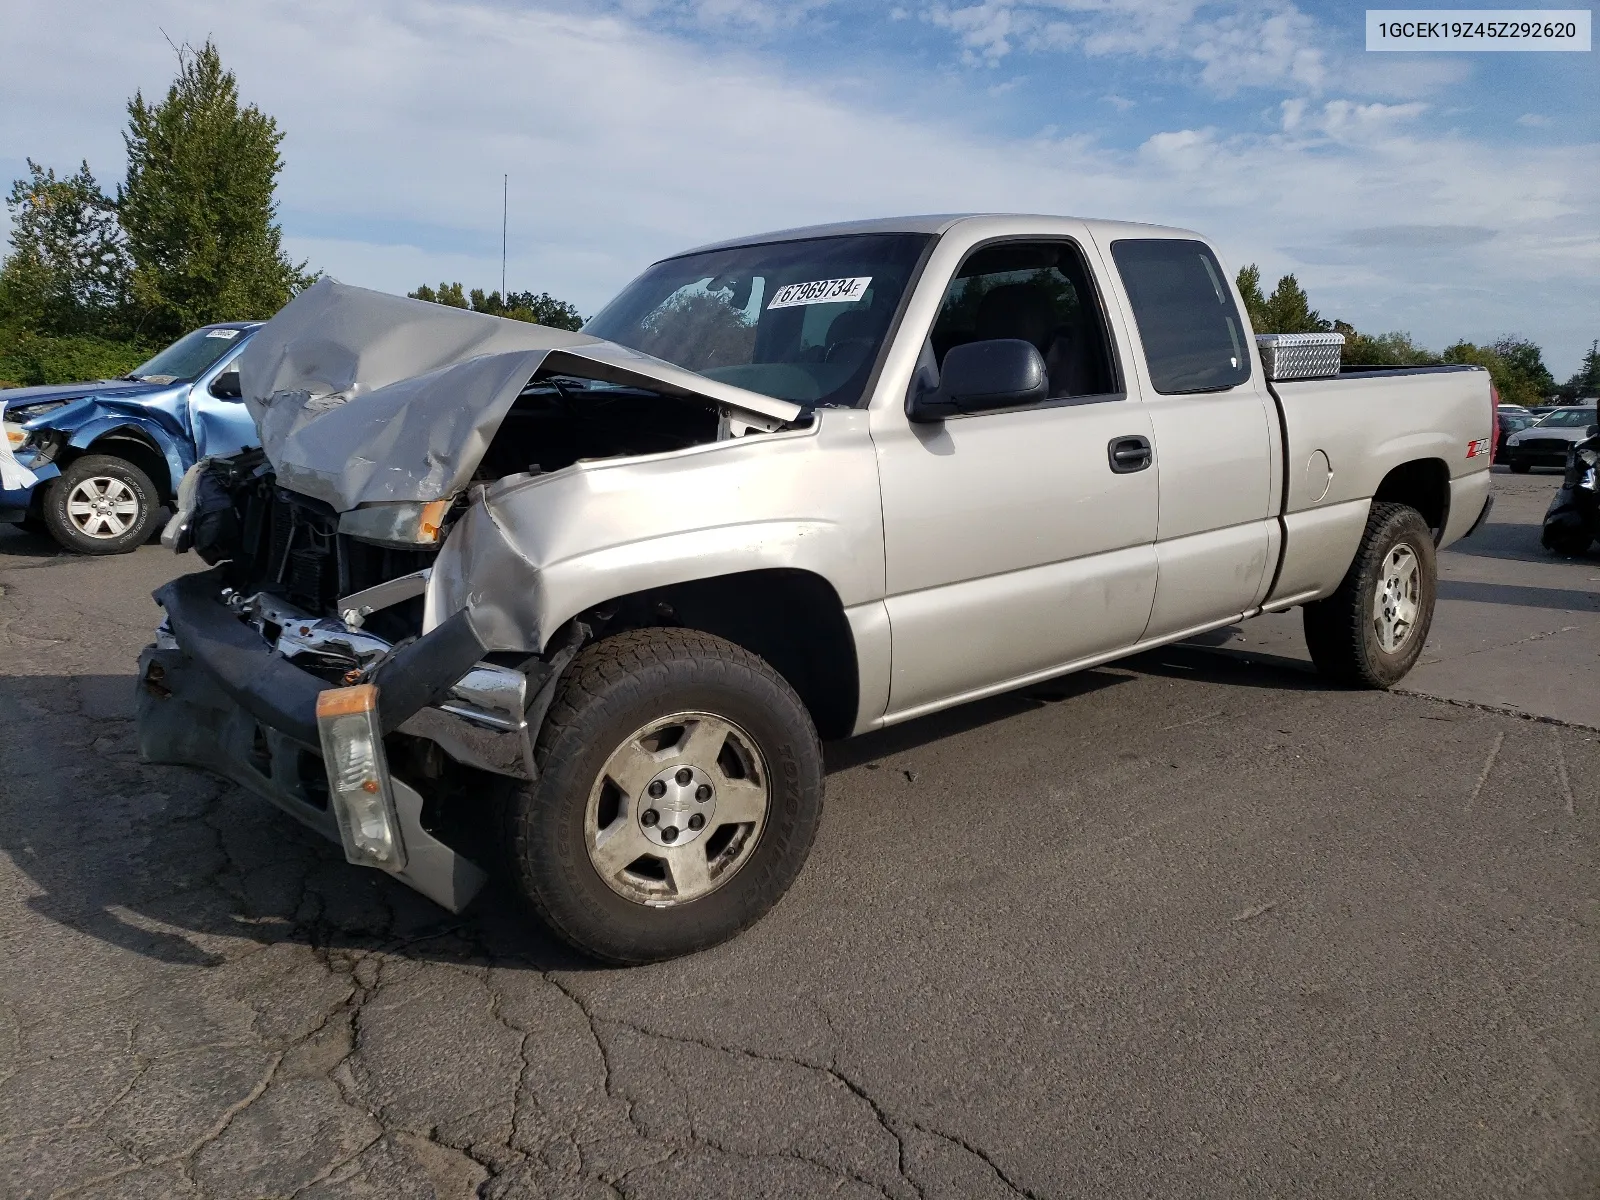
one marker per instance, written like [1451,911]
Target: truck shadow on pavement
[1561,599]
[184,868]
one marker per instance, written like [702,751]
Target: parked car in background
[91,464]
[1508,419]
[1546,442]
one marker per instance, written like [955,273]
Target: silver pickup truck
[583,604]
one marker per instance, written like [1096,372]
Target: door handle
[1129,454]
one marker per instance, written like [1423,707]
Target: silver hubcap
[102,507]
[1398,598]
[677,810]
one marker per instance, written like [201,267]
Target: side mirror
[1592,431]
[226,386]
[979,376]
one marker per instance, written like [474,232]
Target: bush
[30,359]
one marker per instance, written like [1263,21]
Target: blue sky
[1450,195]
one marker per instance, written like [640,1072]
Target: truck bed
[1344,437]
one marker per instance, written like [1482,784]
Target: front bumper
[220,694]
[1539,456]
[17,503]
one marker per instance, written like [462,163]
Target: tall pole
[505,195]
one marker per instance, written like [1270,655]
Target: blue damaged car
[91,464]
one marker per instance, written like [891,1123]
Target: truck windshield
[187,357]
[802,321]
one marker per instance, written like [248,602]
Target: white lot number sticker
[226,335]
[821,291]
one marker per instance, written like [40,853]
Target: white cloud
[623,145]
[985,29]
[1256,45]
[1534,120]
[763,16]
[1345,120]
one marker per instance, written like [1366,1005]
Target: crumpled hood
[362,397]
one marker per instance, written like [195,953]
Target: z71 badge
[1481,446]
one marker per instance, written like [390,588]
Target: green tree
[198,206]
[449,294]
[541,309]
[1484,356]
[1525,361]
[1382,349]
[1255,304]
[1515,365]
[67,272]
[1586,382]
[1289,310]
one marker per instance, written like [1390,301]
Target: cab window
[1042,293]
[1193,338]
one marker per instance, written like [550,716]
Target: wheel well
[141,452]
[1423,484]
[793,619]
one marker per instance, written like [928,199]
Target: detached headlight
[16,435]
[359,787]
[408,524]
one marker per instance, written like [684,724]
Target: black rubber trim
[421,673]
[268,687]
[1283,498]
[1488,504]
[279,694]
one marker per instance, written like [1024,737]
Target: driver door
[1014,543]
[219,422]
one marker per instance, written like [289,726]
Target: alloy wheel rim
[677,809]
[1398,599]
[102,507]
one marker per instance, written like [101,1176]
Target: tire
[1519,466]
[744,738]
[122,526]
[1347,632]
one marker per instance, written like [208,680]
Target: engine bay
[559,420]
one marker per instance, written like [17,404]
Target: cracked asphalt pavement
[1191,925]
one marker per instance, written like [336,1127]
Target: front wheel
[679,792]
[101,505]
[1519,466]
[1370,632]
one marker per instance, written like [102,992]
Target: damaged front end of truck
[372,648]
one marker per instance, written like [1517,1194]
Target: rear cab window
[1194,340]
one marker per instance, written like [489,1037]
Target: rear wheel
[101,505]
[1370,632]
[679,791]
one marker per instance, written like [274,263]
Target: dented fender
[530,554]
[91,420]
